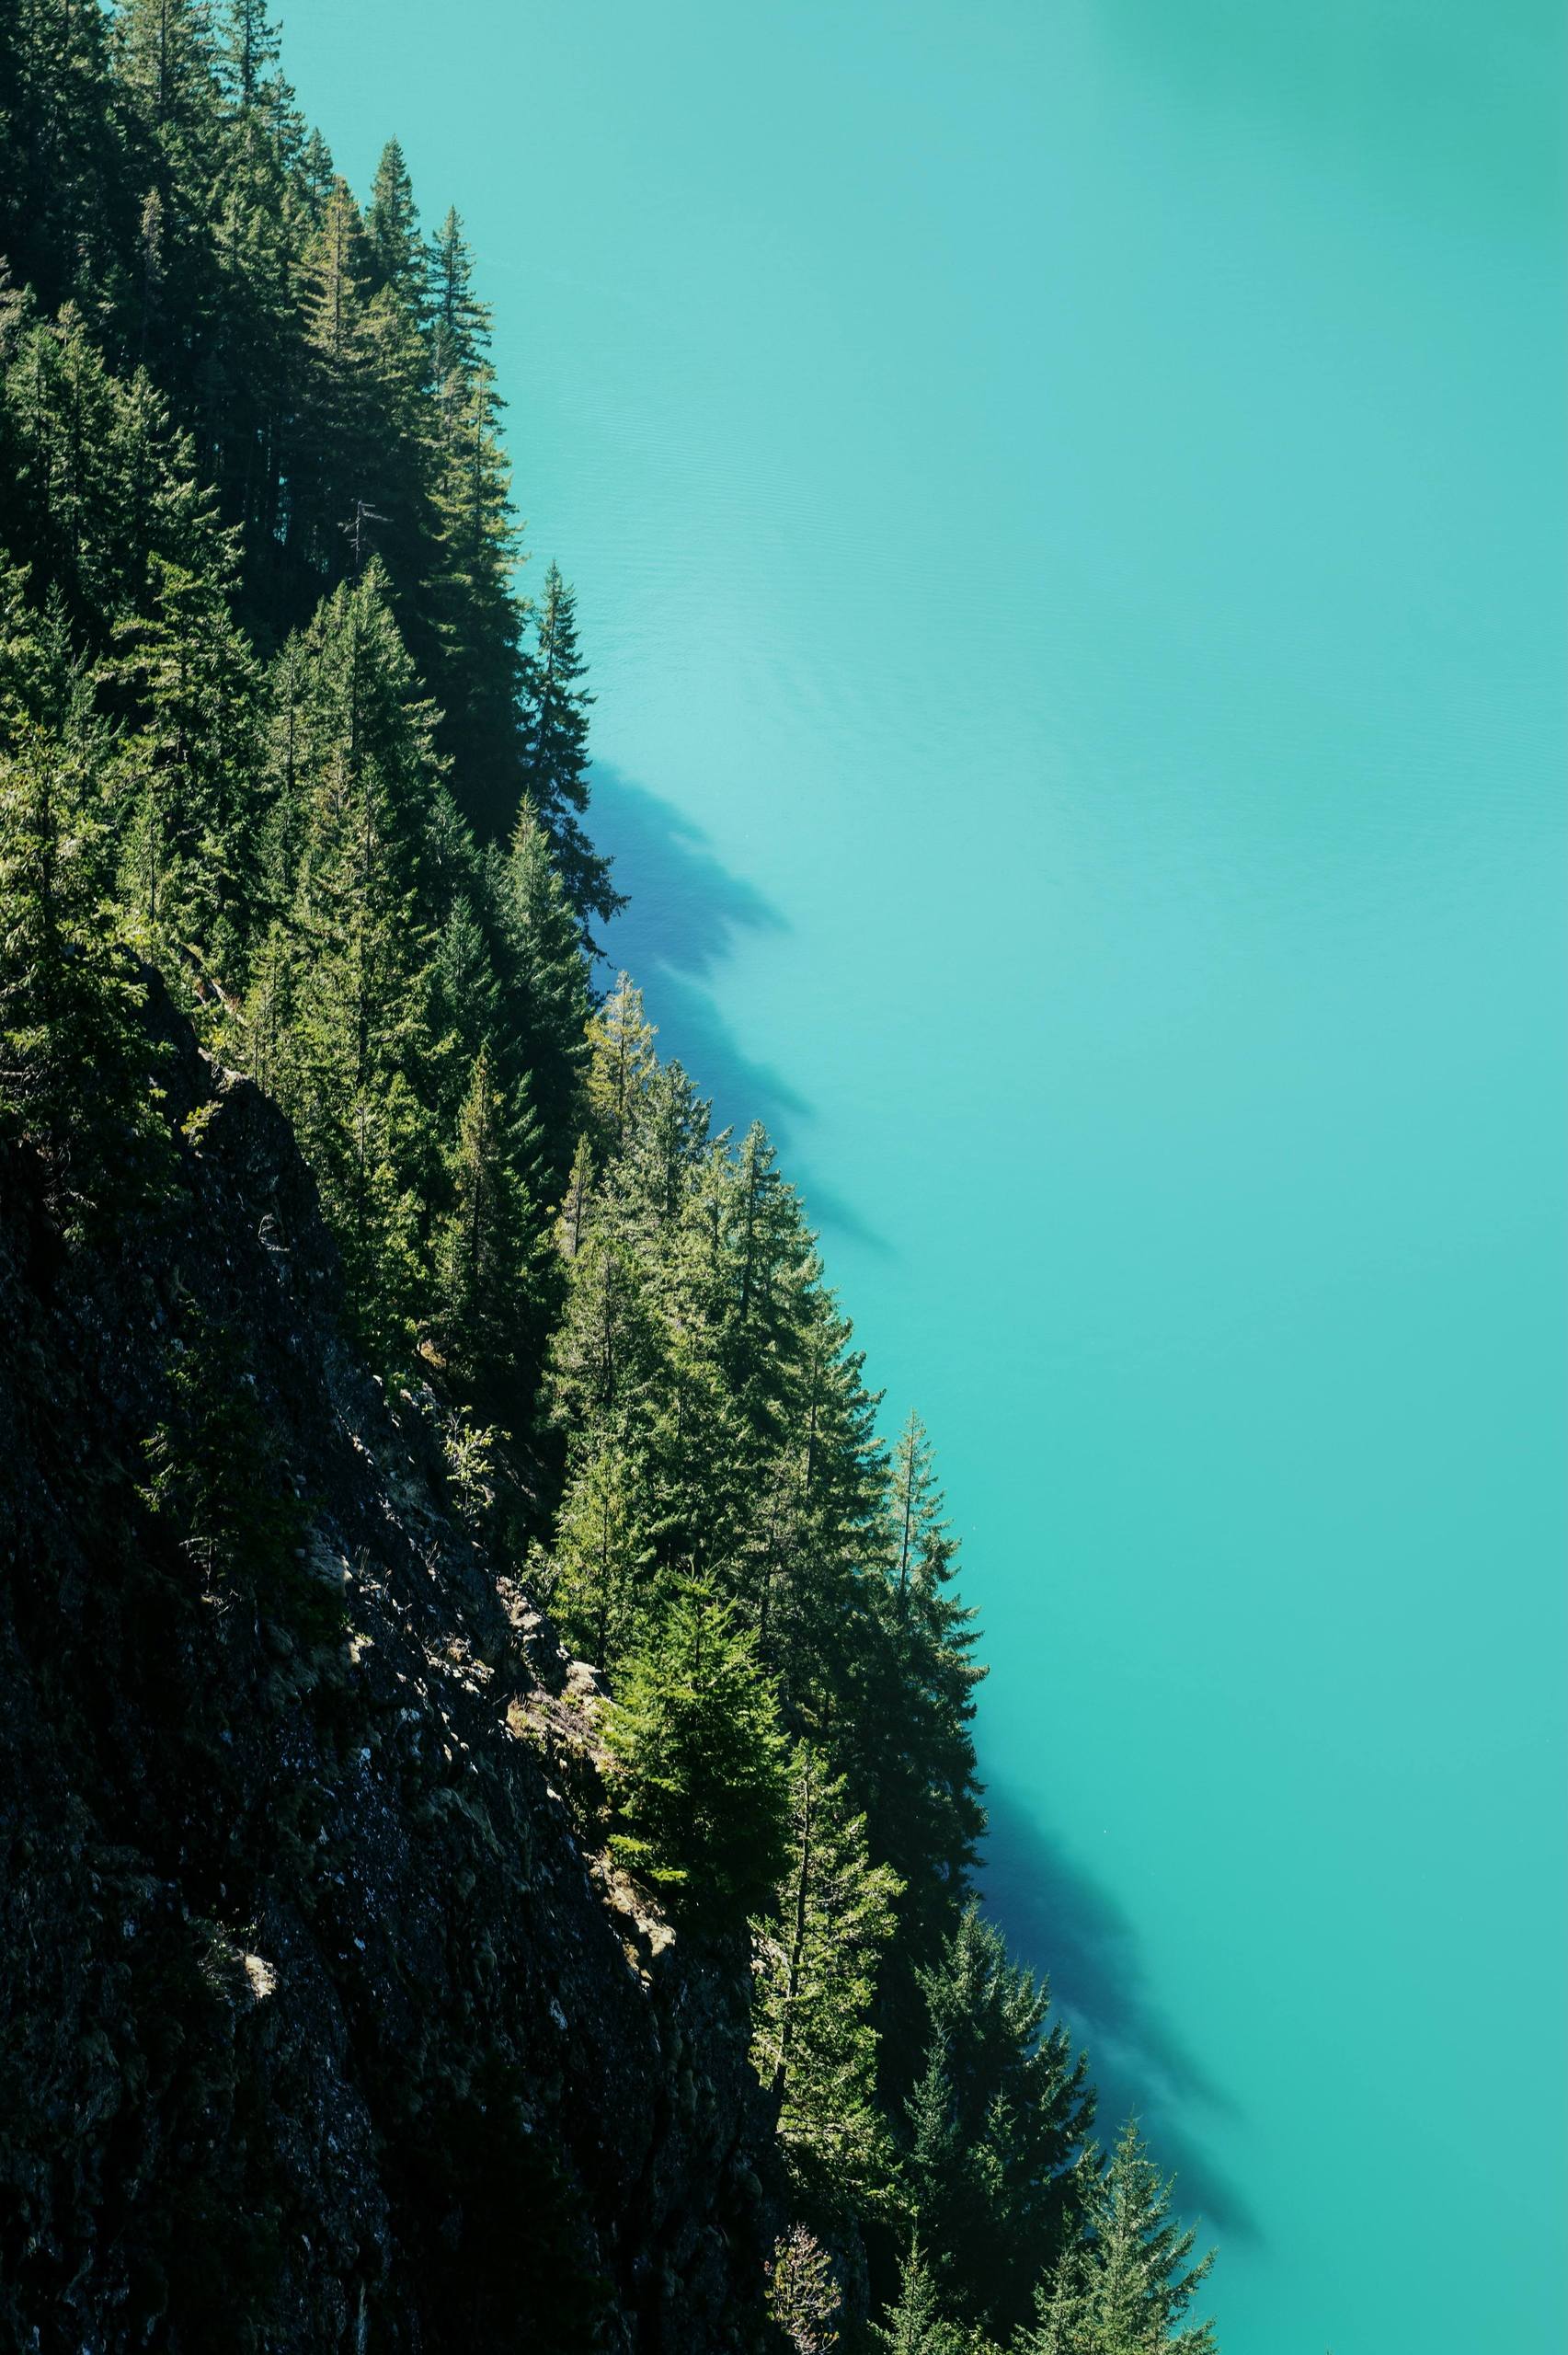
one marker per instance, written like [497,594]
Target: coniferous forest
[294,752]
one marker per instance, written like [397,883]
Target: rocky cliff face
[321,2023]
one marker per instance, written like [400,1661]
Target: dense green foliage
[696,1762]
[1126,2287]
[818,1958]
[276,722]
[916,2323]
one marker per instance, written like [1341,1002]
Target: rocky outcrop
[323,2024]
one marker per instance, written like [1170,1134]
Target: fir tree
[76,1065]
[664,1149]
[815,1422]
[488,1280]
[916,1675]
[1128,2288]
[197,690]
[66,182]
[819,1951]
[914,2324]
[1064,2323]
[476,621]
[698,1772]
[559,706]
[392,232]
[577,1203]
[765,1245]
[315,177]
[166,60]
[165,57]
[620,1062]
[608,1350]
[248,50]
[602,1552]
[464,1002]
[358,1079]
[332,517]
[460,322]
[546,983]
[995,2164]
[555,756]
[923,1548]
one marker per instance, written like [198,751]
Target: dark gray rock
[323,2023]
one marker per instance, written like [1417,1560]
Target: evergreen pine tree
[577,1202]
[923,1548]
[608,1348]
[620,1062]
[248,50]
[1063,2324]
[819,1950]
[555,756]
[392,232]
[999,2120]
[914,2324]
[665,1147]
[476,621]
[602,1552]
[1129,2288]
[195,827]
[76,1066]
[546,982]
[166,60]
[462,1011]
[332,517]
[247,374]
[459,323]
[66,179]
[698,1770]
[488,1277]
[358,1079]
[559,706]
[814,1421]
[916,1674]
[315,177]
[765,1246]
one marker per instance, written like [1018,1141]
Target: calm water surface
[1065,500]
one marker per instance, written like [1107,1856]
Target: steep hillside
[324,2025]
[371,1286]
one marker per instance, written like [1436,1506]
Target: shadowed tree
[819,1949]
[1128,2288]
[697,1771]
[555,756]
[996,2160]
[914,2324]
[489,1284]
[76,1065]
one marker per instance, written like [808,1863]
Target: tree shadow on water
[685,916]
[1057,1918]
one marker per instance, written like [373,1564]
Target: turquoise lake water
[1066,504]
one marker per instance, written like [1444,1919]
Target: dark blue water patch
[686,913]
[1059,1919]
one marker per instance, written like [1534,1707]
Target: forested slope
[371,1288]
[318,2020]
